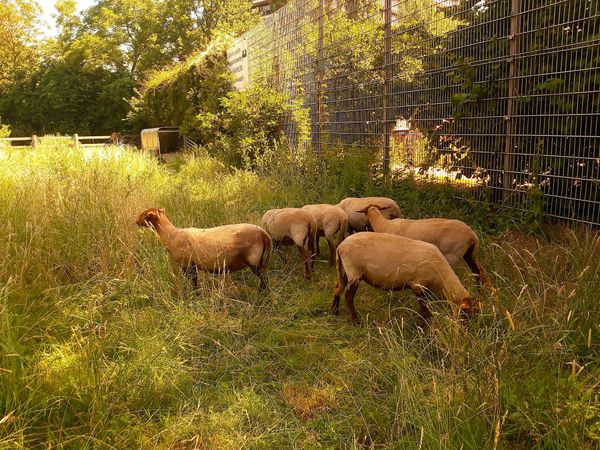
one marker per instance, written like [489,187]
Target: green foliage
[81,80]
[254,121]
[197,95]
[471,99]
[183,93]
[550,85]
[19,35]
[68,97]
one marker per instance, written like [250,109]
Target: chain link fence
[499,97]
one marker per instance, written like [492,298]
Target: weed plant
[104,345]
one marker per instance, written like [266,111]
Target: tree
[143,36]
[81,80]
[19,28]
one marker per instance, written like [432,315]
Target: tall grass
[103,345]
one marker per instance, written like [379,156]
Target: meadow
[104,345]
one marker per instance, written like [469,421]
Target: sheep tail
[473,249]
[339,268]
[343,229]
[471,257]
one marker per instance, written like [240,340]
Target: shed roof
[157,129]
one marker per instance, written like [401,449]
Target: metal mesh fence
[500,97]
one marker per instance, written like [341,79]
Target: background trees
[82,79]
[19,28]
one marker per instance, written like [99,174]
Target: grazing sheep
[293,226]
[330,220]
[357,220]
[455,239]
[391,262]
[221,249]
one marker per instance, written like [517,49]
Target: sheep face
[388,213]
[469,307]
[149,218]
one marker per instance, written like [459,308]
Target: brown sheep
[354,207]
[455,239]
[391,262]
[227,248]
[293,226]
[330,221]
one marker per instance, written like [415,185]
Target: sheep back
[391,262]
[330,218]
[453,237]
[219,249]
[289,225]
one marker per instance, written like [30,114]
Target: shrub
[254,121]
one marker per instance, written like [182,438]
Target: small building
[162,140]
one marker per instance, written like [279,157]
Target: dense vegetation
[102,344]
[82,80]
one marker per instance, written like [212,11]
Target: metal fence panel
[498,96]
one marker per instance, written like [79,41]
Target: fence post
[34,141]
[387,49]
[512,93]
[319,78]
[76,140]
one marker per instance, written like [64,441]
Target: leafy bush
[183,93]
[254,121]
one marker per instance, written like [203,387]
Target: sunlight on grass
[103,344]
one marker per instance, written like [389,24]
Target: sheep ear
[162,210]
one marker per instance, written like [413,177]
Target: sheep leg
[477,269]
[424,312]
[260,273]
[350,292]
[339,288]
[331,251]
[192,273]
[318,245]
[278,248]
[306,259]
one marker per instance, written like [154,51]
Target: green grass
[104,346]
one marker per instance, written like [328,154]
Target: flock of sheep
[398,254]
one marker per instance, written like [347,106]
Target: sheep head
[150,218]
[469,307]
[366,210]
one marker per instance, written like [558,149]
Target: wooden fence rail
[78,141]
